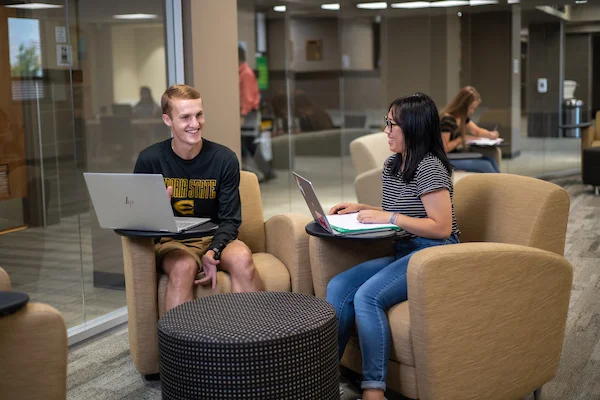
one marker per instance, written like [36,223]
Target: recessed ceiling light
[332,7]
[482,2]
[449,3]
[514,1]
[34,6]
[381,5]
[280,8]
[412,4]
[135,16]
[581,1]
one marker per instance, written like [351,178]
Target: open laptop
[321,218]
[135,201]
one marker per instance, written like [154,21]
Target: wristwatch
[217,250]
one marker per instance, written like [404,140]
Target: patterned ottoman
[265,345]
[590,169]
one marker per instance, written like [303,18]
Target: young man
[202,179]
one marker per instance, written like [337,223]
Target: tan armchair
[590,137]
[33,351]
[280,253]
[369,152]
[485,318]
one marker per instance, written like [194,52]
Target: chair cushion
[596,143]
[273,273]
[402,347]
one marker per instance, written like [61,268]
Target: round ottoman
[590,169]
[264,345]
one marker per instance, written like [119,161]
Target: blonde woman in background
[457,128]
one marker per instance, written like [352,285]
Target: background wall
[138,59]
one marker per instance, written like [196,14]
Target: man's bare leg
[181,268]
[236,259]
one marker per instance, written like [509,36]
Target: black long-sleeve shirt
[205,186]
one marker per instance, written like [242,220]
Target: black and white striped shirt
[405,198]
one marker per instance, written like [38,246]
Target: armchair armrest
[588,135]
[142,302]
[487,319]
[4,280]
[287,240]
[369,187]
[33,350]
[329,257]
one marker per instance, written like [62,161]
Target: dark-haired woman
[417,196]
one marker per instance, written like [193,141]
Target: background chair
[485,318]
[368,153]
[33,352]
[280,254]
[590,137]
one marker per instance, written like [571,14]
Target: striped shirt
[405,198]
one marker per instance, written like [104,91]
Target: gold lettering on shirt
[183,188]
[202,189]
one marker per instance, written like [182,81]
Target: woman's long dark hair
[418,117]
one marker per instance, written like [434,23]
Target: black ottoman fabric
[264,345]
[591,166]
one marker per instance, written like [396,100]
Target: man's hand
[345,208]
[373,217]
[209,267]
[170,192]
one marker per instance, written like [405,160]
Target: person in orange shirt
[251,118]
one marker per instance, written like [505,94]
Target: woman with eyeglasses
[417,197]
[456,127]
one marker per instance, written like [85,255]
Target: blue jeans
[365,292]
[483,164]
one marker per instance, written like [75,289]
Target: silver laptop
[135,201]
[320,217]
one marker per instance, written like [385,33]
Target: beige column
[210,31]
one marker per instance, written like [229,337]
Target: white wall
[138,59]
[247,31]
[325,29]
[357,44]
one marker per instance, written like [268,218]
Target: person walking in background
[456,128]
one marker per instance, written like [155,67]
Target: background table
[263,345]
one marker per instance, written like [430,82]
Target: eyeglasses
[389,123]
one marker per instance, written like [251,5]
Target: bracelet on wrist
[393,218]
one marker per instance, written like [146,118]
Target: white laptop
[135,201]
[338,224]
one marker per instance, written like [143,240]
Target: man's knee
[180,268]
[237,260]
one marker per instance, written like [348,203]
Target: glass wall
[81,83]
[329,72]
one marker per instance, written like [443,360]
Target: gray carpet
[102,367]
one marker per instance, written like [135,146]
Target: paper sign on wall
[63,55]
[60,34]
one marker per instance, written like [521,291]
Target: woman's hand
[493,134]
[346,208]
[374,217]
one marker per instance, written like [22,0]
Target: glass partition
[73,99]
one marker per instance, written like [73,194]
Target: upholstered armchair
[484,318]
[280,254]
[33,351]
[368,154]
[590,136]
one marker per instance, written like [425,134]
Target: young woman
[417,196]
[456,128]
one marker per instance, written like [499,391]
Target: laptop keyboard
[183,225]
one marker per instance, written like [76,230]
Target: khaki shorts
[196,247]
